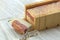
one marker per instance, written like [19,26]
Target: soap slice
[21,26]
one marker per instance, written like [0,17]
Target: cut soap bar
[20,25]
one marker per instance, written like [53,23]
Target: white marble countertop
[15,8]
[9,9]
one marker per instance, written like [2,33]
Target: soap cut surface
[20,25]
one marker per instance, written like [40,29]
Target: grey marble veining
[15,8]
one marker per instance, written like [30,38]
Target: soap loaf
[44,16]
[36,4]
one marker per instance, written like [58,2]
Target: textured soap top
[45,9]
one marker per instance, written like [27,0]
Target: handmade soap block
[19,25]
[44,16]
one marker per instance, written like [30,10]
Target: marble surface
[15,8]
[9,9]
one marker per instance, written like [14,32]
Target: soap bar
[44,16]
[21,26]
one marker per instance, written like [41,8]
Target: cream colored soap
[20,26]
[44,16]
